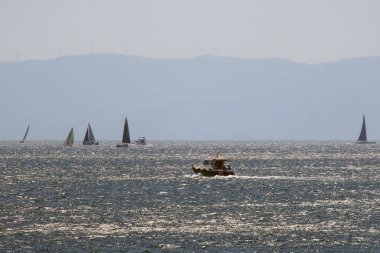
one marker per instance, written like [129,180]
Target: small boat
[214,167]
[363,135]
[69,139]
[89,138]
[126,138]
[141,141]
[26,133]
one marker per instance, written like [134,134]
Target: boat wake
[287,178]
[291,178]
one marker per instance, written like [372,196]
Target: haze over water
[286,196]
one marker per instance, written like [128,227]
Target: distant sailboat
[363,135]
[70,138]
[126,138]
[26,133]
[89,138]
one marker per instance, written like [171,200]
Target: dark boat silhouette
[89,138]
[214,167]
[363,135]
[126,138]
[26,133]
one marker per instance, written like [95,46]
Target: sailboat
[69,139]
[126,138]
[363,135]
[89,138]
[26,133]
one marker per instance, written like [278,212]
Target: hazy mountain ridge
[208,97]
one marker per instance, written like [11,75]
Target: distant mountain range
[202,98]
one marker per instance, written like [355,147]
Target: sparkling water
[285,197]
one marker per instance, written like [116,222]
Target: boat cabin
[141,141]
[214,167]
[218,163]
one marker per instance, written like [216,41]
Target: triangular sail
[363,133]
[86,137]
[91,136]
[26,133]
[70,138]
[126,137]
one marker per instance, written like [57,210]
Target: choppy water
[285,197]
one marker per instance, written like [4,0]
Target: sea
[285,197]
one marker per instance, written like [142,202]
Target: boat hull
[122,145]
[210,172]
[365,142]
[91,143]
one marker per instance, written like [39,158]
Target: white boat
[363,135]
[69,139]
[141,141]
[26,133]
[126,138]
[89,138]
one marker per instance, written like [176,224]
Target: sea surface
[285,197]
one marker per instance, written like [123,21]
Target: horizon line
[195,140]
[184,58]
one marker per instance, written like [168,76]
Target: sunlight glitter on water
[285,197]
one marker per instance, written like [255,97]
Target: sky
[309,31]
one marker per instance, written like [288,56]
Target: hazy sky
[301,30]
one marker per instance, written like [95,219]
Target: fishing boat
[141,141]
[89,138]
[26,133]
[214,167]
[69,139]
[363,135]
[126,138]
